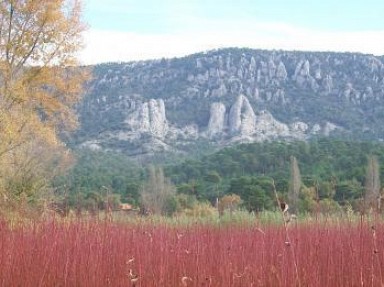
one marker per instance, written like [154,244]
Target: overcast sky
[127,30]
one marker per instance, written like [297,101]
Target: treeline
[333,174]
[98,177]
[332,171]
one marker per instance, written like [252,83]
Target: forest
[332,174]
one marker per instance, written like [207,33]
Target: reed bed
[106,253]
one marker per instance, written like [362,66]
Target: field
[144,253]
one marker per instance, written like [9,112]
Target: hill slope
[232,95]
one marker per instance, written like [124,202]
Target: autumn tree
[230,202]
[40,83]
[158,193]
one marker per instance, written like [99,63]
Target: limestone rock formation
[148,117]
[281,72]
[267,126]
[327,84]
[325,129]
[241,118]
[299,127]
[171,103]
[157,121]
[351,94]
[217,119]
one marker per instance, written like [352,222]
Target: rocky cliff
[229,96]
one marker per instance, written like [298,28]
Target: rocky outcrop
[241,119]
[217,120]
[238,123]
[327,84]
[351,94]
[281,72]
[299,127]
[325,129]
[245,124]
[148,117]
[267,126]
[227,95]
[303,77]
[158,125]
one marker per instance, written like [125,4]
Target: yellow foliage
[39,82]
[202,209]
[230,202]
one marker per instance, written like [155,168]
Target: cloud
[117,46]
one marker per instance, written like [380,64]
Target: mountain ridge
[231,95]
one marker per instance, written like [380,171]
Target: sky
[131,30]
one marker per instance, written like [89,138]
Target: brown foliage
[157,192]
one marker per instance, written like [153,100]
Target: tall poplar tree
[294,186]
[372,185]
[157,192]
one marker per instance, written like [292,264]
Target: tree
[39,79]
[157,195]
[348,191]
[372,184]
[214,179]
[295,185]
[230,202]
[253,191]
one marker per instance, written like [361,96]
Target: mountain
[227,96]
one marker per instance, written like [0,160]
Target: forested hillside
[333,173]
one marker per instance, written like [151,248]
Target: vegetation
[294,185]
[215,219]
[102,253]
[321,175]
[340,89]
[157,195]
[94,175]
[372,198]
[332,171]
[39,85]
